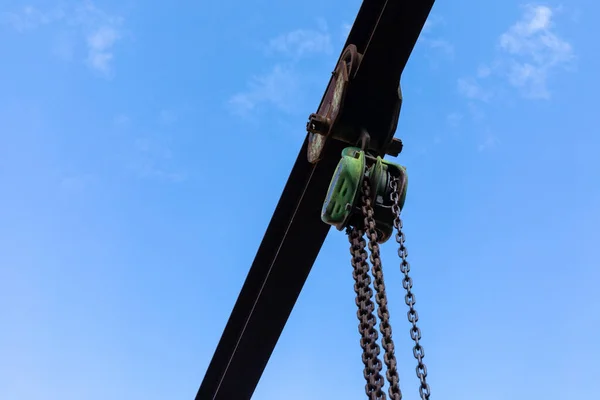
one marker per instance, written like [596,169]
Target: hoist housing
[340,205]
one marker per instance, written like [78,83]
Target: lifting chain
[381,297]
[367,321]
[364,294]
[409,298]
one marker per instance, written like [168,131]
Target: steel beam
[289,248]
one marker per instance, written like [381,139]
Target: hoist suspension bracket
[341,205]
[324,123]
[333,121]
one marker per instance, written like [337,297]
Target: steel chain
[409,298]
[381,297]
[364,294]
[367,320]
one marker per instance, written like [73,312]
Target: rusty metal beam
[385,32]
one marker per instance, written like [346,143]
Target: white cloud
[151,155]
[442,45]
[517,38]
[166,116]
[102,31]
[302,42]
[345,31]
[436,43]
[534,51]
[29,17]
[277,88]
[471,89]
[489,142]
[477,114]
[281,86]
[454,119]
[432,21]
[121,120]
[100,43]
[483,71]
[99,30]
[64,46]
[529,52]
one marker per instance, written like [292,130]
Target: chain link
[367,320]
[364,294]
[409,298]
[381,297]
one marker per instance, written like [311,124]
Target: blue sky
[144,145]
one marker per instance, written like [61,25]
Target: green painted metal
[340,208]
[344,188]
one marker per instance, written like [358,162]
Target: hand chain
[382,310]
[409,299]
[366,326]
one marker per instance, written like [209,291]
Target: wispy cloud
[489,141]
[277,88]
[150,154]
[442,45]
[100,44]
[121,120]
[167,116]
[152,158]
[475,111]
[102,31]
[483,71]
[281,86]
[29,17]
[432,21]
[471,89]
[99,31]
[345,31]
[301,42]
[453,119]
[534,51]
[529,52]
[434,41]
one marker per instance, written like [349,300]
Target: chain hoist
[365,197]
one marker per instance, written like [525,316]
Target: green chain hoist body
[339,208]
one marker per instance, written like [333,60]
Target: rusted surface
[324,122]
[383,37]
